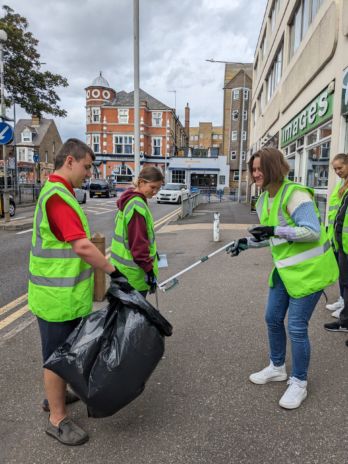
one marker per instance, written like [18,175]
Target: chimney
[35,120]
[187,122]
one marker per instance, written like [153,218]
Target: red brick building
[110,131]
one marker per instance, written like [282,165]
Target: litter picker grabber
[172,281]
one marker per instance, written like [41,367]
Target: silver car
[81,195]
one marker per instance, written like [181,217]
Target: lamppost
[3,38]
[240,167]
[136,88]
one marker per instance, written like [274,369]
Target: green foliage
[25,83]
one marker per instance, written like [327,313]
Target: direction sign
[6,133]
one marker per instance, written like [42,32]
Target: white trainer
[336,313]
[295,394]
[339,304]
[270,373]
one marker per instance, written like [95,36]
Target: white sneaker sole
[292,405]
[258,381]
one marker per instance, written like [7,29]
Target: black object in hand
[239,245]
[262,232]
[151,281]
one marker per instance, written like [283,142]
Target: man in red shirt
[72,166]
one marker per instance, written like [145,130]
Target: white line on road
[24,231]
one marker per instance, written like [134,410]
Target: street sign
[36,158]
[6,133]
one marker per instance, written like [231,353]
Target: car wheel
[12,209]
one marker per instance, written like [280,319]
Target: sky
[80,38]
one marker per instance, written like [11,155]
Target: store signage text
[319,110]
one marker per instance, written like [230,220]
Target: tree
[25,83]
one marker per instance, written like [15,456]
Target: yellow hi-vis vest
[121,256]
[334,204]
[303,267]
[344,229]
[60,282]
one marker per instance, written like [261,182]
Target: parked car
[101,187]
[172,193]
[12,205]
[85,184]
[81,195]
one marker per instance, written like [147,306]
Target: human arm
[87,251]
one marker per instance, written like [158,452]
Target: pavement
[198,406]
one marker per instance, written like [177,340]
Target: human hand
[151,281]
[262,232]
[239,245]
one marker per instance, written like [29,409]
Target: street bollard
[216,227]
[99,276]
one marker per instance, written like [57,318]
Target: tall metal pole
[136,88]
[241,144]
[3,38]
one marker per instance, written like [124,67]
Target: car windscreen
[173,187]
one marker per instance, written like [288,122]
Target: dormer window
[27,136]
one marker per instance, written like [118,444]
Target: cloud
[79,38]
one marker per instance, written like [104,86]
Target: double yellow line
[21,311]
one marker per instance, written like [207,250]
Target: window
[123,174]
[273,13]
[222,180]
[88,115]
[95,114]
[318,165]
[21,154]
[220,137]
[96,143]
[123,144]
[244,135]
[156,146]
[246,94]
[178,176]
[123,116]
[235,175]
[233,155]
[245,115]
[236,94]
[302,18]
[243,155]
[215,136]
[235,114]
[275,74]
[157,118]
[260,102]
[263,46]
[234,135]
[27,136]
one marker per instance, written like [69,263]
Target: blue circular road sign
[6,133]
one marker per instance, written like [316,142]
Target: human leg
[342,324]
[275,313]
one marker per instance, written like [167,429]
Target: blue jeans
[299,313]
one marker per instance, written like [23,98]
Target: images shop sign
[318,111]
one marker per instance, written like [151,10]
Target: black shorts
[54,334]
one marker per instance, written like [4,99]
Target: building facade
[300,88]
[236,120]
[32,152]
[110,131]
[206,136]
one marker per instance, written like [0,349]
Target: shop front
[306,143]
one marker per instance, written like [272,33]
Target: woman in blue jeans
[304,265]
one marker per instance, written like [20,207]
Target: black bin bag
[111,354]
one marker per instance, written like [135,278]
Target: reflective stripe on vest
[304,256]
[126,262]
[332,207]
[61,281]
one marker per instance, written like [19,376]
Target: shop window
[300,142]
[325,131]
[291,162]
[222,180]
[318,165]
[123,174]
[178,176]
[312,137]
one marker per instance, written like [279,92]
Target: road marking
[167,218]
[13,303]
[24,231]
[105,212]
[14,316]
[17,218]
[21,326]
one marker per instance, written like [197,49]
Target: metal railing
[189,203]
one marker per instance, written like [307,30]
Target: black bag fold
[111,354]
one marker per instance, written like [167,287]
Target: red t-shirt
[64,221]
